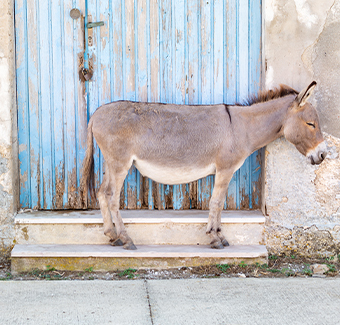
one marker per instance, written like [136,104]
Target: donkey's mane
[267,95]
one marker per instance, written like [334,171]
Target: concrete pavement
[171,302]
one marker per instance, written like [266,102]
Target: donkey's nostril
[323,155]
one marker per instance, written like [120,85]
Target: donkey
[175,144]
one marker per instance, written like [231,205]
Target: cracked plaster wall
[303,201]
[8,131]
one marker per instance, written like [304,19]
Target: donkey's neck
[262,123]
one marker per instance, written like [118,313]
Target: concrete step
[145,227]
[109,258]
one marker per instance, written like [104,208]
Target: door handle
[96,24]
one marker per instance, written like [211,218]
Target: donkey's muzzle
[320,159]
[318,155]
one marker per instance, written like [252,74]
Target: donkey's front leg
[216,204]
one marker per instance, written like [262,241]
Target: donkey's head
[302,127]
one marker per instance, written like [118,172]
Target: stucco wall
[8,132]
[302,202]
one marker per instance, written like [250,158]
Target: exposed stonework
[307,241]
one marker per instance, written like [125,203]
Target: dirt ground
[278,266]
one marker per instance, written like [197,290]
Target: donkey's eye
[311,124]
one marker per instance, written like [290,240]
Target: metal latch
[96,24]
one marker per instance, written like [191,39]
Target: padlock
[85,74]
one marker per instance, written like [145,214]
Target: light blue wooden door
[172,51]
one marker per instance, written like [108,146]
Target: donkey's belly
[173,175]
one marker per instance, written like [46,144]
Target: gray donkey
[175,144]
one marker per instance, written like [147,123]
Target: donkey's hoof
[217,245]
[116,242]
[130,246]
[225,242]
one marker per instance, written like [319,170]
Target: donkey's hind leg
[103,195]
[116,182]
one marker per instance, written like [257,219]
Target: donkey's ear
[303,96]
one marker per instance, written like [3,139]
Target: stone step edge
[150,217]
[145,251]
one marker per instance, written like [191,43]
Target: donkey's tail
[87,181]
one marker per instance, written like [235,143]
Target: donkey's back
[161,134]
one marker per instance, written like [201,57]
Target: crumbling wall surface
[8,131]
[303,201]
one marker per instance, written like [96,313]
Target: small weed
[49,268]
[130,273]
[273,257]
[287,272]
[290,273]
[264,266]
[9,276]
[223,267]
[331,258]
[293,256]
[42,274]
[89,269]
[308,272]
[332,268]
[35,272]
[243,264]
[274,270]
